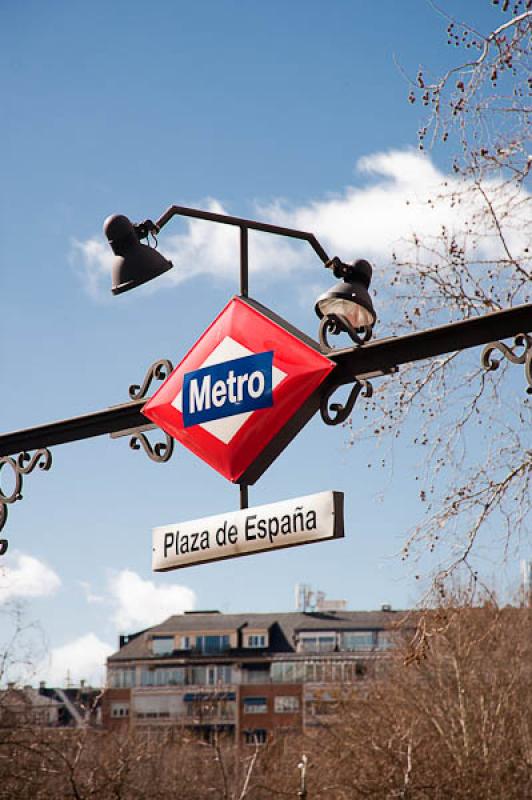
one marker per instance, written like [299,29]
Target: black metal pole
[244,264]
[372,359]
[384,354]
[97,423]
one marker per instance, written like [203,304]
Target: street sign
[303,520]
[243,391]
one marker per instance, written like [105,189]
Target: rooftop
[283,627]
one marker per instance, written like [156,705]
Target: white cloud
[374,220]
[94,259]
[81,659]
[24,576]
[90,596]
[140,603]
[211,248]
[361,221]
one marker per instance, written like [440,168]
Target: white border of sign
[303,520]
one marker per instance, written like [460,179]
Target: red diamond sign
[235,397]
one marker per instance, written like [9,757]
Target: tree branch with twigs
[473,427]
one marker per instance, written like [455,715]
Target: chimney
[42,684]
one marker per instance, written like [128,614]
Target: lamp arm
[249,224]
[144,228]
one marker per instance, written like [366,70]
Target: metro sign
[243,391]
[229,388]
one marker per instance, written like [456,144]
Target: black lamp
[349,301]
[135,263]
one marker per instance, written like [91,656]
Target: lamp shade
[350,298]
[135,263]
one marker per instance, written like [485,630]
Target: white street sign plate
[303,520]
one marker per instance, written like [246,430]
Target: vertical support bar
[243,261]
[244,498]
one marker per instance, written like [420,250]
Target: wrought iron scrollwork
[341,412]
[159,371]
[20,466]
[335,324]
[161,451]
[522,340]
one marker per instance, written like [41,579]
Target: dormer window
[256,640]
[213,643]
[359,640]
[163,645]
[319,642]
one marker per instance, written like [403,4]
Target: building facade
[49,707]
[243,674]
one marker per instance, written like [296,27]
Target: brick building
[244,674]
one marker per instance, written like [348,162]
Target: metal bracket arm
[383,355]
[20,466]
[245,225]
[342,411]
[521,340]
[160,452]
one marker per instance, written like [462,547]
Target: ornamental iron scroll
[341,412]
[162,451]
[20,465]
[522,340]
[335,324]
[158,371]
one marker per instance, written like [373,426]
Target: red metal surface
[305,370]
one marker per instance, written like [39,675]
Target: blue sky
[294,112]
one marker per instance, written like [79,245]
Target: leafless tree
[453,723]
[171,764]
[473,425]
[22,643]
[446,716]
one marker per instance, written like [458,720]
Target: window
[212,644]
[288,671]
[352,671]
[318,644]
[256,675]
[162,645]
[119,710]
[258,736]
[360,640]
[286,704]
[122,678]
[255,705]
[163,676]
[385,640]
[224,674]
[211,708]
[219,673]
[211,675]
[197,676]
[256,640]
[153,714]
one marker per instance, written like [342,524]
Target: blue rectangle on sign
[229,388]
